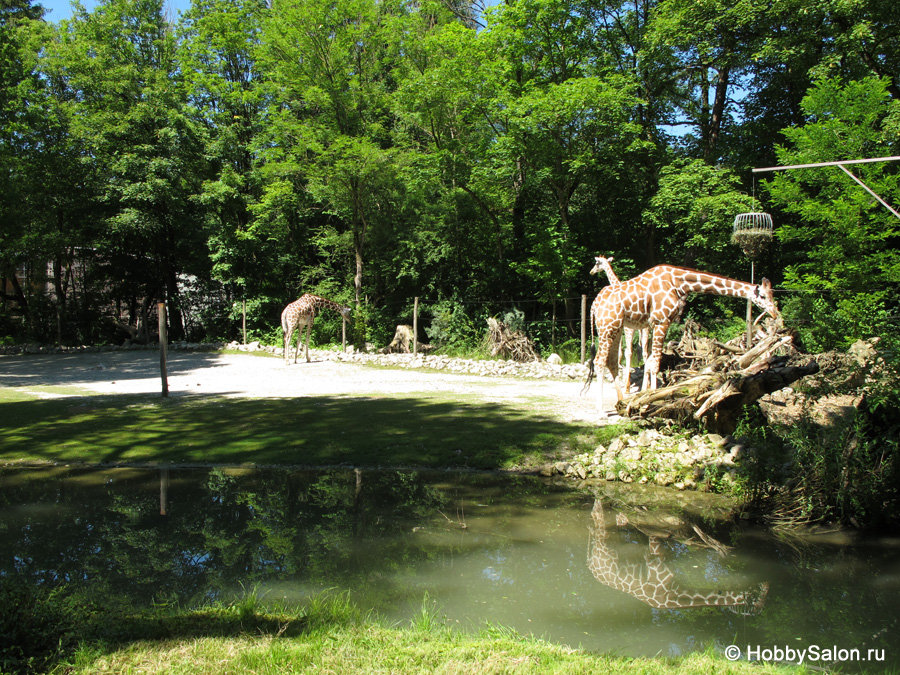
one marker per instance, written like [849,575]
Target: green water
[473,548]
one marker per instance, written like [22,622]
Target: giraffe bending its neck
[302,313]
[653,300]
[653,583]
[605,264]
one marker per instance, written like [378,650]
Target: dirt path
[245,375]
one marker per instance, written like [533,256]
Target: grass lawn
[328,635]
[432,431]
[55,633]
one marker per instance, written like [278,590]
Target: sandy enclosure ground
[244,375]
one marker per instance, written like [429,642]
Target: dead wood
[403,337]
[715,382]
[509,344]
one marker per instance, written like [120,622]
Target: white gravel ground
[255,376]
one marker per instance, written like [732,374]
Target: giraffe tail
[590,377]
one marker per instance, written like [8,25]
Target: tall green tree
[846,266]
[693,213]
[225,89]
[18,83]
[331,63]
[713,42]
[128,113]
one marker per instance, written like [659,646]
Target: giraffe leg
[629,336]
[651,364]
[613,364]
[286,352]
[605,361]
[308,331]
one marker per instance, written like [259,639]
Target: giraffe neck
[318,301]
[652,582]
[610,274]
[688,281]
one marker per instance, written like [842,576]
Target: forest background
[243,153]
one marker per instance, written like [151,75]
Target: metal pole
[869,190]
[818,164]
[841,163]
[750,306]
[163,342]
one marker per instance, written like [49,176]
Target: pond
[606,567]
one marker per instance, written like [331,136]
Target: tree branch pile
[509,344]
[715,381]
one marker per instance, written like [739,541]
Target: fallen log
[718,383]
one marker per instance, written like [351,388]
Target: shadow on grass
[308,431]
[81,367]
[44,627]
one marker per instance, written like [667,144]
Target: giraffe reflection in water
[652,581]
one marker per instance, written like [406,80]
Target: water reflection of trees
[382,534]
[221,531]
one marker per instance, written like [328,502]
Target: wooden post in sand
[163,341]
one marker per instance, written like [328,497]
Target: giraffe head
[345,312]
[602,264]
[764,297]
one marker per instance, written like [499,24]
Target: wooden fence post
[583,324]
[163,342]
[416,326]
[244,318]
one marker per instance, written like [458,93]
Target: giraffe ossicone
[302,312]
[653,300]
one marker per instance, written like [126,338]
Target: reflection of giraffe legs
[653,582]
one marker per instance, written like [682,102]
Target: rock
[648,437]
[554,360]
[616,446]
[631,454]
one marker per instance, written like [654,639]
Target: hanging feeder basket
[752,232]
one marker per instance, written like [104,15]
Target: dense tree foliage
[379,151]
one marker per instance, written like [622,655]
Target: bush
[847,471]
[34,624]
[451,328]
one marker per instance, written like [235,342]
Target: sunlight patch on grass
[426,430]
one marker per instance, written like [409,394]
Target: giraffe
[302,313]
[653,300]
[602,263]
[653,582]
